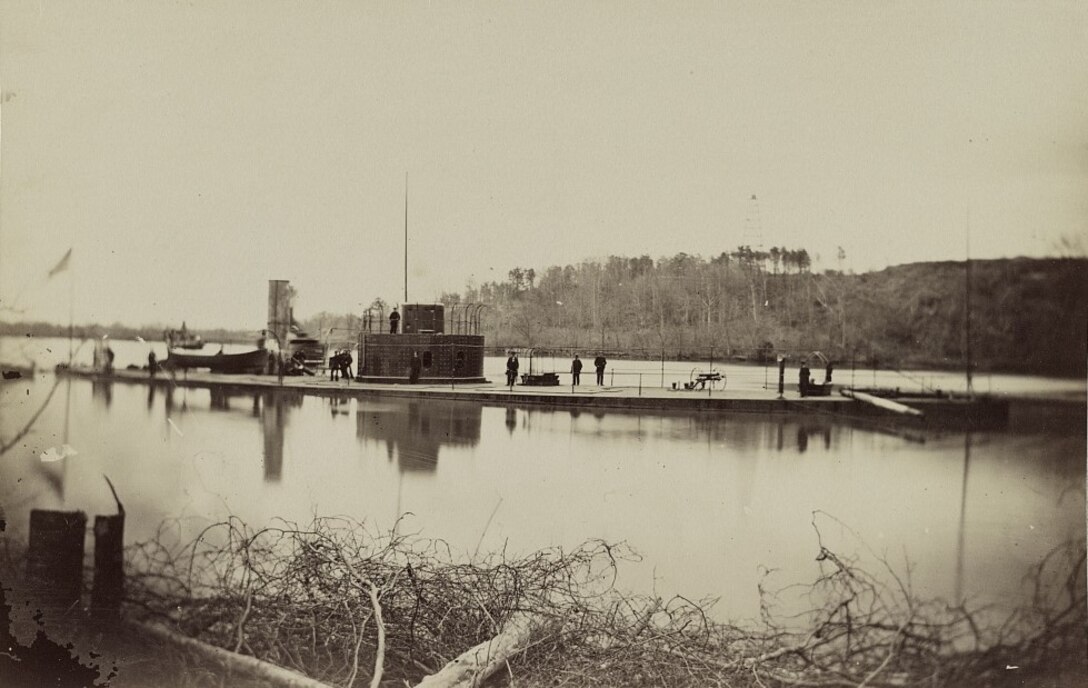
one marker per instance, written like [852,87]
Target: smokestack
[279,310]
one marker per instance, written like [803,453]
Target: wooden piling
[109,561]
[54,561]
[109,566]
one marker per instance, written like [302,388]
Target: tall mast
[967,308]
[958,599]
[71,312]
[405,237]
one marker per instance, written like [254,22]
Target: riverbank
[335,604]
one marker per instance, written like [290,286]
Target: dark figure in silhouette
[394,321]
[575,370]
[600,362]
[109,359]
[804,379]
[341,365]
[512,366]
[152,364]
[414,368]
[296,365]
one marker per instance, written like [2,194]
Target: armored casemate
[449,346]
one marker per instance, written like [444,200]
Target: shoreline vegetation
[348,607]
[341,604]
[1028,315]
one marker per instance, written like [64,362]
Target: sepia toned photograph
[357,344]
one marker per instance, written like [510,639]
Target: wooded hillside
[1027,315]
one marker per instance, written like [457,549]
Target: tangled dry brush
[350,607]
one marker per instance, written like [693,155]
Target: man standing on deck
[575,370]
[600,362]
[512,369]
[152,364]
[346,361]
[804,379]
[394,321]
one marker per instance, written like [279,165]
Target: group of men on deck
[340,364]
[599,363]
[805,381]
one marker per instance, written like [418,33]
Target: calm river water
[710,501]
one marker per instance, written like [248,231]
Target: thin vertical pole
[400,495]
[67,413]
[71,311]
[710,387]
[406,237]
[781,377]
[967,307]
[958,599]
[967,328]
[67,408]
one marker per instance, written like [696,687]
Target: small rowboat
[231,364]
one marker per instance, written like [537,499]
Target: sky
[188,152]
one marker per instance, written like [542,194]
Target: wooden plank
[473,667]
[886,404]
[274,675]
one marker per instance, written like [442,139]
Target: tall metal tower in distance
[753,226]
[753,239]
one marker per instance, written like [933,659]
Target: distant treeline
[151,333]
[1027,315]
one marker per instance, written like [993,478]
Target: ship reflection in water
[271,409]
[102,392]
[413,432]
[274,409]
